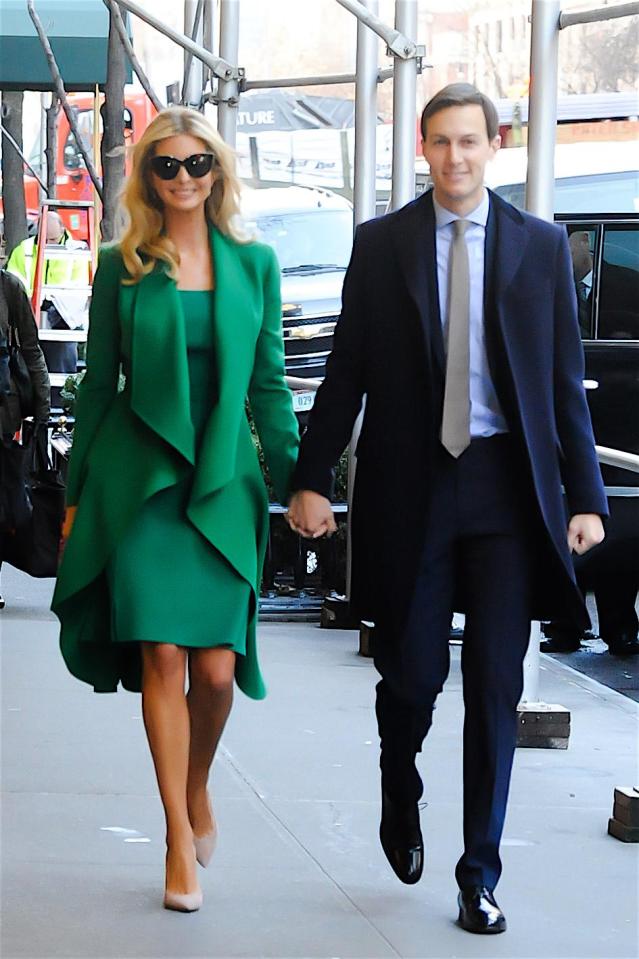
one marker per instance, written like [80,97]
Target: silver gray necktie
[455,433]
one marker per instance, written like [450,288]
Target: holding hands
[310,514]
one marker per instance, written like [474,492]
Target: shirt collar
[479,215]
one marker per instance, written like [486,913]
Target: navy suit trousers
[479,547]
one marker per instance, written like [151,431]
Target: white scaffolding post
[208,35]
[228,90]
[540,188]
[193,68]
[542,109]
[364,194]
[404,109]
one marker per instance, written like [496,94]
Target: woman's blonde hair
[143,241]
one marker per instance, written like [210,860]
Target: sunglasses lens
[165,167]
[199,164]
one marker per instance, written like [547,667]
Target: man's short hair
[460,95]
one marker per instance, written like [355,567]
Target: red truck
[72,179]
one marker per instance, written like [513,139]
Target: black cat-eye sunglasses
[197,165]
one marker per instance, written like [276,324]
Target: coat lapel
[159,361]
[237,321]
[160,376]
[506,253]
[414,233]
[509,243]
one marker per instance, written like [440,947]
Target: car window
[619,284]
[72,156]
[321,238]
[581,240]
[596,193]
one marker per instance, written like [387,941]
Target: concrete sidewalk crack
[261,799]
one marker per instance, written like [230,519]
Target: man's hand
[585,530]
[310,514]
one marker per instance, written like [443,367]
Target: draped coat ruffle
[130,444]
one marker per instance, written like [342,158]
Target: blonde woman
[167,512]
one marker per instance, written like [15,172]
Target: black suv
[605,254]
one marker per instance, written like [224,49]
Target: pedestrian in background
[459,325]
[167,517]
[17,322]
[64,272]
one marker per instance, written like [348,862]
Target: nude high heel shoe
[205,846]
[183,901]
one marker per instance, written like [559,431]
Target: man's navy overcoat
[389,349]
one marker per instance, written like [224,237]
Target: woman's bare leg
[166,719]
[210,696]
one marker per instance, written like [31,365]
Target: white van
[597,177]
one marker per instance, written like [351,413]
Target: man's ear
[496,143]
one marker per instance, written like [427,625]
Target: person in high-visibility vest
[63,271]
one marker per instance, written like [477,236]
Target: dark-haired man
[459,326]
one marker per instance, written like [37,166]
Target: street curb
[591,685]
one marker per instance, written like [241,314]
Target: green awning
[78,32]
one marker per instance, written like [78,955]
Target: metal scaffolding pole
[599,13]
[193,71]
[208,39]
[218,66]
[364,192]
[228,91]
[398,43]
[315,81]
[542,115]
[404,113]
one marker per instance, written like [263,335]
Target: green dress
[129,445]
[169,584]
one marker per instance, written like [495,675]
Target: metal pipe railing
[398,40]
[380,76]
[610,457]
[599,13]
[219,67]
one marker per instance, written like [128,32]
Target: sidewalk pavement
[298,871]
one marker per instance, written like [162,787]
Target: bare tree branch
[62,95]
[135,63]
[495,68]
[51,150]
[12,169]
[112,146]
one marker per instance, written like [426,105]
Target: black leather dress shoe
[401,839]
[478,911]
[623,644]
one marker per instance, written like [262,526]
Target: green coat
[129,445]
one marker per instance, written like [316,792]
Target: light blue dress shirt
[486,416]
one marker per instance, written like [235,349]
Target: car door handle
[591,384]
